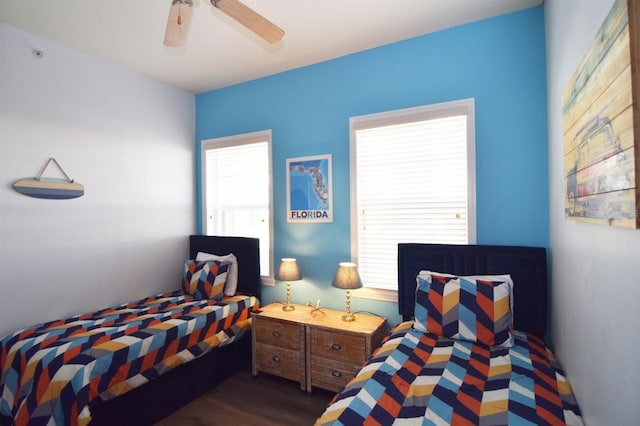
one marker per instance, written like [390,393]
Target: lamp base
[288,307]
[348,317]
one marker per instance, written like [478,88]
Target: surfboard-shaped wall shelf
[51,188]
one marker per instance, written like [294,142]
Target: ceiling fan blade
[178,23]
[250,19]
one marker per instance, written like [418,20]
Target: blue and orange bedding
[53,372]
[416,378]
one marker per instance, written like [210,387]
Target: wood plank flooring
[244,400]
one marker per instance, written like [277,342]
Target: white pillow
[232,275]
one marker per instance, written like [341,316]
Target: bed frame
[453,387]
[527,266]
[157,399]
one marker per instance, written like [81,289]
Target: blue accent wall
[499,61]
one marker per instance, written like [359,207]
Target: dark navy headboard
[526,265]
[246,250]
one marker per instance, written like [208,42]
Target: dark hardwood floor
[244,400]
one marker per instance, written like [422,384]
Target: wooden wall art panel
[600,121]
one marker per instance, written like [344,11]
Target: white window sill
[376,294]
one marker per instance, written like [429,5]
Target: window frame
[238,140]
[407,115]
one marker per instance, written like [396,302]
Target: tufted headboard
[246,250]
[526,265]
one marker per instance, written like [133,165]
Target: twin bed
[471,349]
[135,363]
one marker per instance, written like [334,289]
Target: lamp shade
[347,277]
[288,270]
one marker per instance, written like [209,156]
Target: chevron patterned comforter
[416,378]
[53,372]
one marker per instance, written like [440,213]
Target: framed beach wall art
[600,121]
[309,189]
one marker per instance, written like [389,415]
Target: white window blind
[413,180]
[237,190]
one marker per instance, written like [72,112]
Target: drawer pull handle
[336,346]
[276,358]
[275,333]
[336,374]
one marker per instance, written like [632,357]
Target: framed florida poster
[309,195]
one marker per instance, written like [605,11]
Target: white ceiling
[220,52]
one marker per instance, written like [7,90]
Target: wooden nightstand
[315,348]
[278,345]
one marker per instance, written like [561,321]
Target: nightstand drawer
[281,362]
[278,333]
[338,345]
[331,374]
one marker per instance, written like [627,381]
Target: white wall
[129,140]
[595,269]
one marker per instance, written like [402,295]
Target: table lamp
[288,271]
[347,278]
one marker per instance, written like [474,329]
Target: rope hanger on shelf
[57,164]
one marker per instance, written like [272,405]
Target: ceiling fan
[180,18]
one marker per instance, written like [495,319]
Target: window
[412,180]
[237,199]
